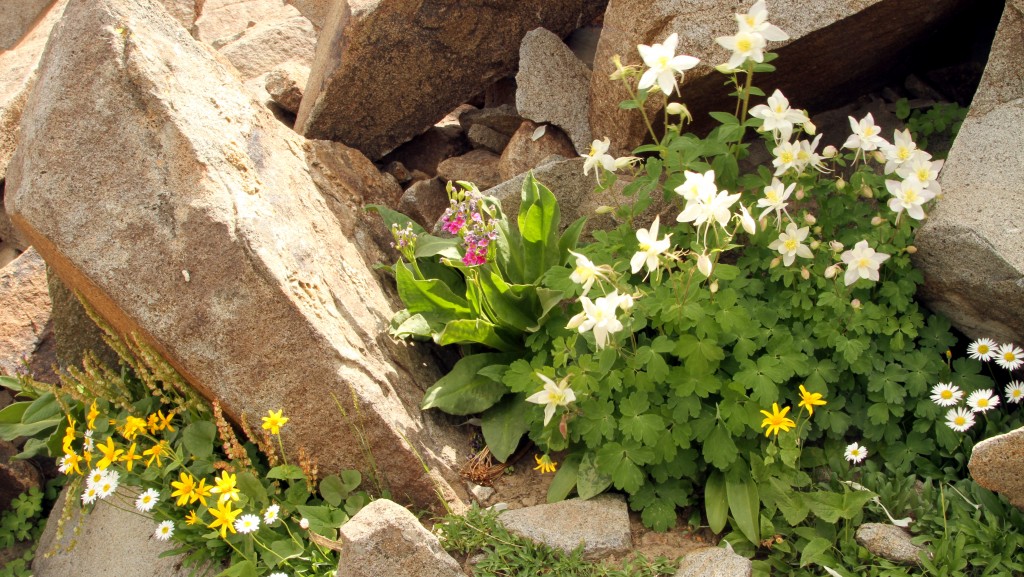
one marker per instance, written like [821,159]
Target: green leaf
[428,246]
[11,414]
[725,118]
[719,449]
[716,503]
[569,239]
[11,432]
[539,216]
[565,479]
[322,519]
[744,504]
[286,472]
[432,296]
[243,569]
[464,391]
[10,383]
[504,424]
[199,438]
[350,479]
[393,217]
[333,490]
[590,481]
[282,550]
[659,515]
[814,552]
[45,408]
[465,331]
[250,486]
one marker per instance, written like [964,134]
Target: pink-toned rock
[224,21]
[18,18]
[267,45]
[477,166]
[24,310]
[285,84]
[184,11]
[424,202]
[531,144]
[997,463]
[386,70]
[314,10]
[204,233]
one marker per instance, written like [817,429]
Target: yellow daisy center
[959,420]
[983,349]
[947,394]
[982,403]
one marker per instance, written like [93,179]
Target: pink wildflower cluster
[405,239]
[464,218]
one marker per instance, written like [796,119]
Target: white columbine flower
[1009,357]
[697,185]
[982,400]
[746,221]
[552,396]
[807,155]
[775,196]
[946,394]
[787,156]
[960,419]
[922,170]
[271,514]
[598,155]
[651,247]
[908,194]
[663,64]
[247,524]
[862,262]
[147,500]
[866,134]
[704,264]
[164,530]
[855,453]
[756,20]
[982,349]
[790,244]
[715,206]
[900,151]
[1014,392]
[600,316]
[586,272]
[778,117]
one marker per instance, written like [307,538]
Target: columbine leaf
[590,480]
[504,424]
[465,391]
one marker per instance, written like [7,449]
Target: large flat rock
[17,18]
[185,213]
[997,463]
[386,70]
[834,46]
[970,247]
[24,310]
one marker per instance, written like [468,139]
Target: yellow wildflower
[185,487]
[776,420]
[223,517]
[153,423]
[130,457]
[110,453]
[69,435]
[71,463]
[226,487]
[133,426]
[545,464]
[165,421]
[155,452]
[273,422]
[93,413]
[192,518]
[201,492]
[808,400]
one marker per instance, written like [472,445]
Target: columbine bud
[714,287]
[624,161]
[810,219]
[675,108]
[878,155]
[799,194]
[747,221]
[775,262]
[832,271]
[840,183]
[817,230]
[855,303]
[810,128]
[830,152]
[836,246]
[911,249]
[815,243]
[804,273]
[704,264]
[620,70]
[626,302]
[866,192]
[877,220]
[604,209]
[304,523]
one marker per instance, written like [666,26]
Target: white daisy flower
[164,530]
[89,444]
[855,453]
[247,524]
[1014,392]
[982,349]
[946,394]
[90,495]
[1009,357]
[278,575]
[960,419]
[271,514]
[107,487]
[147,500]
[96,476]
[982,400]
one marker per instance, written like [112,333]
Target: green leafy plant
[941,121]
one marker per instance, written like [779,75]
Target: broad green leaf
[719,449]
[351,479]
[333,490]
[814,552]
[322,519]
[590,481]
[11,414]
[287,472]
[428,246]
[565,479]
[744,504]
[199,438]
[45,408]
[539,216]
[10,383]
[11,432]
[250,486]
[569,239]
[504,424]
[466,331]
[393,217]
[464,391]
[243,569]
[716,503]
[282,550]
[431,296]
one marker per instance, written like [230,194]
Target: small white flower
[704,264]
[90,495]
[778,117]
[278,575]
[650,249]
[1014,392]
[900,151]
[147,500]
[89,443]
[96,476]
[64,464]
[982,349]
[271,514]
[697,185]
[866,135]
[960,419]
[746,221]
[600,316]
[775,196]
[756,20]
[922,170]
[598,156]
[908,194]
[586,272]
[862,262]
[946,394]
[663,65]
[790,244]
[855,453]
[304,523]
[744,44]
[713,207]
[552,396]
[787,156]
[1009,357]
[247,524]
[982,400]
[164,530]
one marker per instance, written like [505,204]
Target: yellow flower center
[644,247]
[790,245]
[903,153]
[863,262]
[983,349]
[982,403]
[593,151]
[1009,357]
[743,43]
[663,61]
[772,196]
[924,174]
[960,420]
[1016,393]
[786,157]
[947,394]
[869,131]
[910,195]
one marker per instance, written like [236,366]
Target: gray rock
[482,137]
[224,21]
[398,171]
[17,19]
[504,119]
[227,230]
[425,201]
[16,477]
[285,84]
[997,463]
[969,249]
[477,166]
[74,332]
[261,48]
[600,524]
[889,542]
[481,493]
[24,310]
[554,86]
[714,562]
[427,150]
[96,543]
[530,145]
[386,70]
[384,538]
[501,93]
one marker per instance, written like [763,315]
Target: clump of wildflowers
[468,217]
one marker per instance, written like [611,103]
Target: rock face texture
[554,86]
[264,46]
[997,463]
[714,562]
[285,84]
[439,55]
[601,524]
[17,18]
[24,310]
[530,145]
[384,538]
[206,235]
[889,542]
[969,249]
[827,54]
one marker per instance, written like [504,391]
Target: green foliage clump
[941,122]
